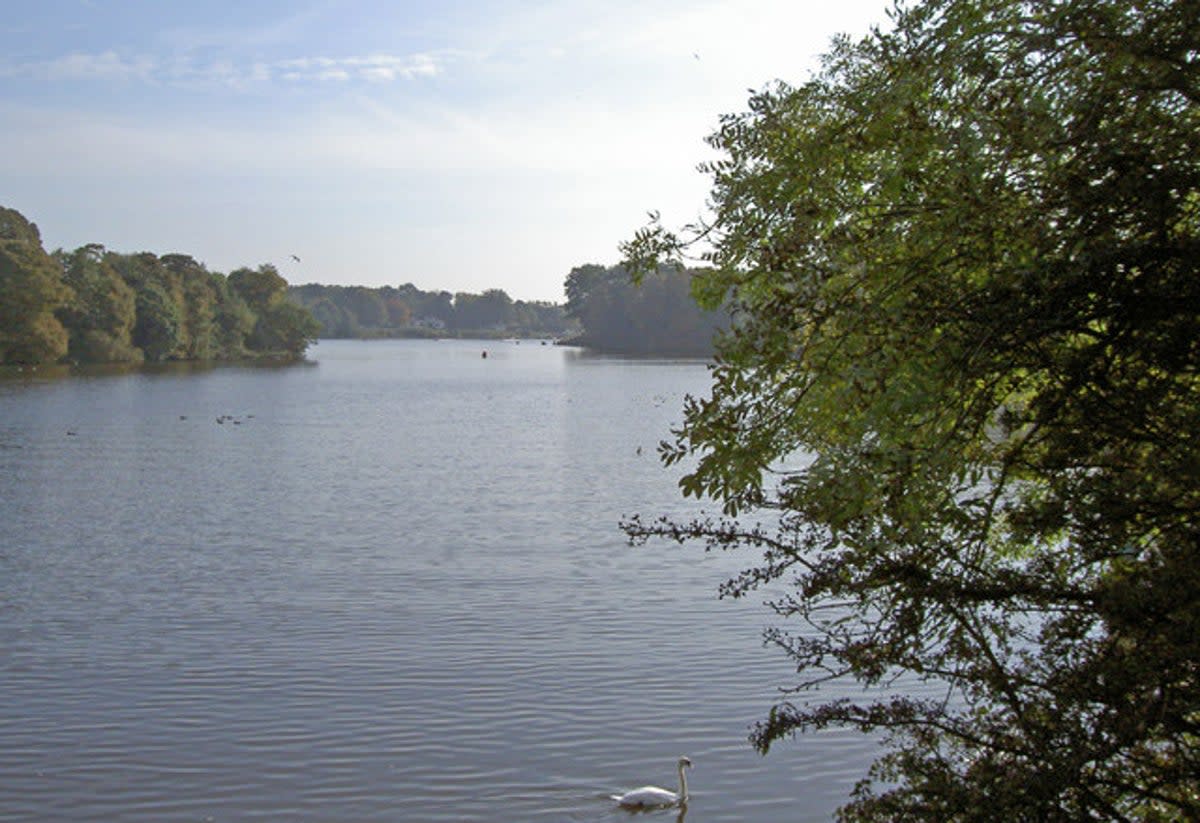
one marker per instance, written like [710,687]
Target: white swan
[649,796]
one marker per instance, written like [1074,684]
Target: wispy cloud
[372,68]
[110,65]
[103,66]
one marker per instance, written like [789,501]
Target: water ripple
[397,593]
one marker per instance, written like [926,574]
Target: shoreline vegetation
[654,314]
[92,305]
[96,306]
[365,313]
[605,311]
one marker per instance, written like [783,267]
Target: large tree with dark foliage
[958,413]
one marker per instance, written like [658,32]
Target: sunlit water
[388,586]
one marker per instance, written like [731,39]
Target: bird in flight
[297,259]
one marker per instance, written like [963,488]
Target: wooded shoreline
[94,305]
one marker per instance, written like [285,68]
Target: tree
[653,313]
[198,301]
[432,307]
[233,321]
[398,312]
[335,321]
[100,306]
[581,282]
[160,329]
[366,306]
[282,327]
[538,318]
[31,291]
[100,317]
[957,410]
[490,311]
[285,328]
[260,287]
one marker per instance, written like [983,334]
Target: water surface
[387,586]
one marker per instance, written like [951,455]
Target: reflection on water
[388,586]
[42,373]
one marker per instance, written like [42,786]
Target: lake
[386,585]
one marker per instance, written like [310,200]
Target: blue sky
[457,146]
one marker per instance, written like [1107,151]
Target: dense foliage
[958,413]
[31,289]
[655,314]
[406,311]
[97,306]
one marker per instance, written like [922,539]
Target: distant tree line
[97,306]
[407,311]
[657,314]
[92,305]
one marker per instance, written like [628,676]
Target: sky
[458,146]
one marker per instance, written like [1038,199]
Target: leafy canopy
[957,412]
[30,292]
[94,305]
